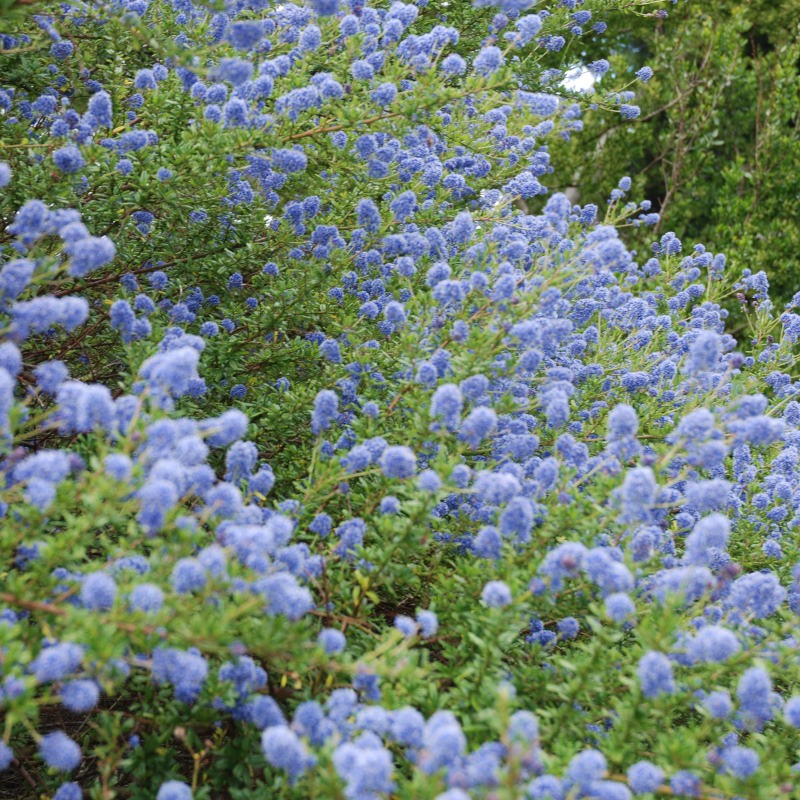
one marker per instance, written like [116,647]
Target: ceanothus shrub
[343,458]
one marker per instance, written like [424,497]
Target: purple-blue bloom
[398,461]
[174,790]
[655,674]
[496,594]
[59,751]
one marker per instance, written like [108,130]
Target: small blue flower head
[791,711]
[754,692]
[708,539]
[655,674]
[446,404]
[59,751]
[685,784]
[480,423]
[398,461]
[324,8]
[188,575]
[326,408]
[5,174]
[428,623]
[758,594]
[622,422]
[284,750]
[568,627]
[644,777]
[69,159]
[741,762]
[453,64]
[146,597]
[644,74]
[174,790]
[489,60]
[245,34]
[405,624]
[6,756]
[443,740]
[98,591]
[331,640]
[68,791]
[620,607]
[390,505]
[57,661]
[586,767]
[718,704]
[638,494]
[404,205]
[704,353]
[496,594]
[80,696]
[429,481]
[89,254]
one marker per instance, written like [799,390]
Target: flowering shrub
[343,459]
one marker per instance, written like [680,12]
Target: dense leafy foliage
[718,146]
[342,458]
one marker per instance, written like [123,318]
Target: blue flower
[741,762]
[619,607]
[384,94]
[284,750]
[791,711]
[100,110]
[685,783]
[453,64]
[68,791]
[708,538]
[489,60]
[655,674]
[57,661]
[429,481]
[446,404]
[186,670]
[50,375]
[89,253]
[98,591]
[326,406]
[496,594]
[188,575]
[586,767]
[146,597]
[366,767]
[704,353]
[80,696]
[245,34]
[174,790]
[758,594]
[331,640]
[443,741]
[713,643]
[480,423]
[6,755]
[69,159]
[638,494]
[325,8]
[59,751]
[398,461]
[754,692]
[718,704]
